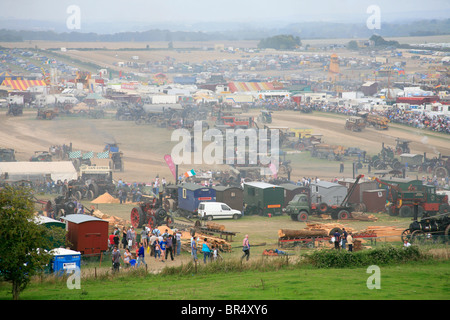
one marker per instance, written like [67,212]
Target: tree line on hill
[306,30]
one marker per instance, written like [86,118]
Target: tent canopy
[58,170]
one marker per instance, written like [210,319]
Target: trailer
[189,197]
[263,198]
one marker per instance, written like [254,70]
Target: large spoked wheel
[418,236]
[137,217]
[406,235]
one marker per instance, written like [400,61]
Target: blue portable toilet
[65,259]
[191,194]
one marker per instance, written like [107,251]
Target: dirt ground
[145,146]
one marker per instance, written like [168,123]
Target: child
[157,249]
[163,248]
[215,253]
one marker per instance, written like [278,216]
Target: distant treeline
[151,35]
[307,30]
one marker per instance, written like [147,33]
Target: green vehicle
[263,198]
[300,207]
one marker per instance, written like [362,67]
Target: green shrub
[379,256]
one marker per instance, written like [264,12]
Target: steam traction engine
[430,228]
[150,213]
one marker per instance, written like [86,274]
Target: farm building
[38,171]
[375,200]
[327,192]
[263,198]
[290,190]
[191,194]
[86,234]
[232,196]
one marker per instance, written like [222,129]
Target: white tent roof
[58,170]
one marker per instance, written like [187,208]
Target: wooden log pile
[388,233]
[222,245]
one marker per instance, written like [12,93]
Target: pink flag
[171,165]
[273,168]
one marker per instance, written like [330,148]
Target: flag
[75,154]
[171,165]
[190,173]
[103,155]
[88,155]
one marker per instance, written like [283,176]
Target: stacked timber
[388,233]
[328,227]
[221,244]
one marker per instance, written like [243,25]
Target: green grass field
[411,281]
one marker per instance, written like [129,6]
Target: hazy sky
[191,11]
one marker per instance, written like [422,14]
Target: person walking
[350,242]
[129,238]
[141,255]
[153,238]
[246,248]
[206,250]
[116,260]
[344,238]
[337,237]
[169,248]
[178,238]
[194,249]
[163,245]
[157,249]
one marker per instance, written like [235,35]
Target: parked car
[217,210]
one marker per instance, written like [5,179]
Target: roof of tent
[58,170]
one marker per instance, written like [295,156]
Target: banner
[171,165]
[75,154]
[103,155]
[88,155]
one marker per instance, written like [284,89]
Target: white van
[217,210]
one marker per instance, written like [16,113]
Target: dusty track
[145,146]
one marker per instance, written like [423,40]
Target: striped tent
[23,84]
[237,86]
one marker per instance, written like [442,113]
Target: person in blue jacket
[141,255]
[206,250]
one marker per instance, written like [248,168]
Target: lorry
[403,194]
[301,206]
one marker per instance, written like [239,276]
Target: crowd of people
[153,243]
[428,121]
[160,246]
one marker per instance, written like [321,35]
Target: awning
[23,84]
